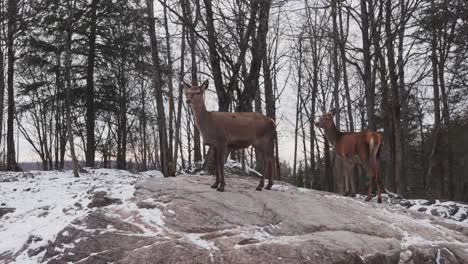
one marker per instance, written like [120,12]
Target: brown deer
[355,148]
[223,130]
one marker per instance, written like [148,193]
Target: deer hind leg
[261,184]
[371,173]
[220,161]
[269,161]
[271,169]
[349,180]
[216,184]
[379,186]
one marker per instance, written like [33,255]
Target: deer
[232,130]
[354,148]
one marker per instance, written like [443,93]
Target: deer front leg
[215,185]
[346,181]
[345,165]
[220,162]
[352,181]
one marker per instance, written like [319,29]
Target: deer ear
[184,83]
[204,85]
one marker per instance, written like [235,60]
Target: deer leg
[269,161]
[215,185]
[346,178]
[379,186]
[220,162]
[271,169]
[261,184]
[371,175]
[351,180]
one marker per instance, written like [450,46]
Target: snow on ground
[46,202]
[450,210]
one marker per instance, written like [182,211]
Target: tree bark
[157,86]
[395,99]
[68,92]
[369,89]
[197,156]
[179,103]
[12,15]
[432,159]
[171,88]
[90,111]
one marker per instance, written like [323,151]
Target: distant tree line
[97,82]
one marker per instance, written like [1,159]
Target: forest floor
[38,210]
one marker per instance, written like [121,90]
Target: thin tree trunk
[157,86]
[298,107]
[12,14]
[258,156]
[171,89]
[68,92]
[437,125]
[2,91]
[395,102]
[345,71]
[197,157]
[90,112]
[369,89]
[179,102]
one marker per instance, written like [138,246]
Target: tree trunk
[395,101]
[157,86]
[252,84]
[171,90]
[2,91]
[432,159]
[90,112]
[342,42]
[179,102]
[369,89]
[197,157]
[12,14]
[68,92]
[258,156]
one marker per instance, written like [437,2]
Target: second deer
[223,130]
[355,148]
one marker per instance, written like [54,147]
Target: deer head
[194,94]
[326,120]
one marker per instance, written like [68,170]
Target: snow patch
[46,202]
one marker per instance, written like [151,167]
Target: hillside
[111,216]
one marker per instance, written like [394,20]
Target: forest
[97,83]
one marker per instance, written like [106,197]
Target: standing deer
[223,130]
[355,148]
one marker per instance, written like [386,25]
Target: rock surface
[182,220]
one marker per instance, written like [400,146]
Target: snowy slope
[46,202]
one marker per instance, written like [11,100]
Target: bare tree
[157,86]
[68,60]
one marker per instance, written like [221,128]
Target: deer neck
[201,115]
[332,134]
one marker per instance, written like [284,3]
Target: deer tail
[375,143]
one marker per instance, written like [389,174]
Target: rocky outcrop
[183,220]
